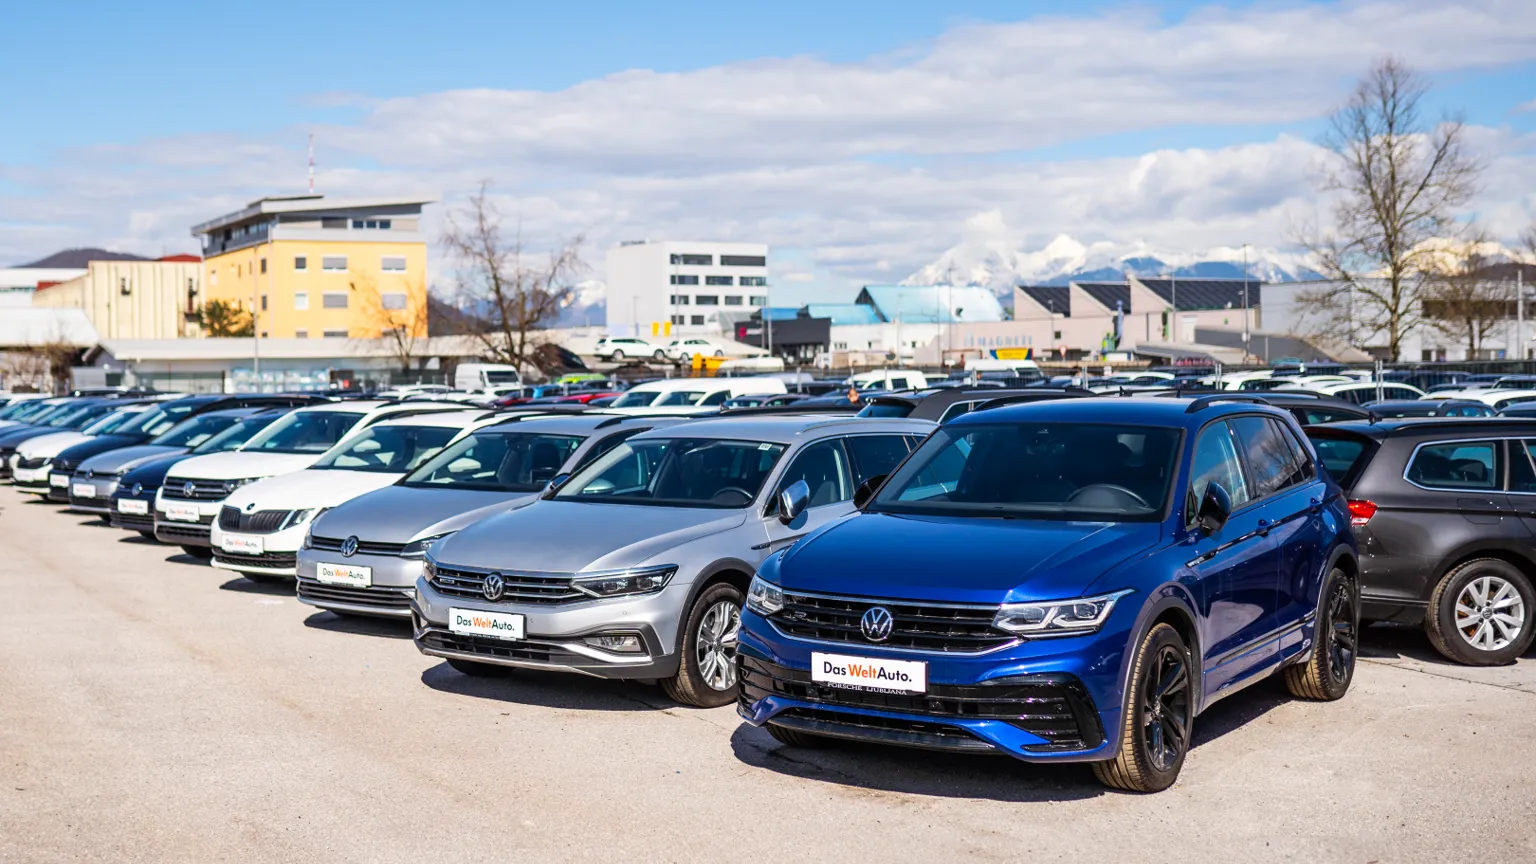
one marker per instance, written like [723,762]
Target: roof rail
[1034,396]
[1200,403]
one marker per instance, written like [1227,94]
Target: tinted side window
[1215,461]
[1325,415]
[957,409]
[1341,457]
[1270,455]
[874,455]
[1457,465]
[824,467]
[1522,466]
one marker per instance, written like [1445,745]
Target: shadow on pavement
[549,690]
[1399,642]
[95,522]
[361,625]
[245,586]
[1240,709]
[139,540]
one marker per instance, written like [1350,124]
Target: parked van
[888,379]
[482,376]
[691,395]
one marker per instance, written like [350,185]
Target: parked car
[762,400]
[684,350]
[1497,399]
[888,379]
[942,405]
[261,525]
[28,413]
[1395,408]
[482,376]
[617,349]
[35,454]
[1307,407]
[691,395]
[1073,580]
[1444,510]
[687,512]
[363,557]
[1360,392]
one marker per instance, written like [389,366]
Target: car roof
[239,412]
[463,418]
[1138,410]
[1405,426]
[788,428]
[581,424]
[1420,403]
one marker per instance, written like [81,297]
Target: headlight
[1082,615]
[232,485]
[309,537]
[418,548]
[763,597]
[620,583]
[429,568]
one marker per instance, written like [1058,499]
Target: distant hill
[77,259]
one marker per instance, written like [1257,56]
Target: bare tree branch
[398,317]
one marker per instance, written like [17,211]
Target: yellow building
[312,267]
[134,299]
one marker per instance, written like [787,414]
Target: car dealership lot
[154,708]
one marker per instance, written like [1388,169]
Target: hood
[125,458]
[557,537]
[150,473]
[396,514]
[307,490]
[239,465]
[961,559]
[83,450]
[50,444]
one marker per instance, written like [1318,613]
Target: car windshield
[157,420]
[236,435]
[636,399]
[497,461]
[388,448]
[38,412]
[676,472]
[19,409]
[304,432]
[76,417]
[1072,471]
[192,432]
[112,424]
[680,398]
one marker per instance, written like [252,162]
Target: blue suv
[1062,581]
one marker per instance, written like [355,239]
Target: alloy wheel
[1342,637]
[1165,708]
[716,645]
[1490,613]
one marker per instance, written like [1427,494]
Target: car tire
[685,359]
[660,356]
[265,578]
[1148,761]
[719,353]
[794,737]
[476,669]
[1493,591]
[201,553]
[708,640]
[1326,674]
[616,357]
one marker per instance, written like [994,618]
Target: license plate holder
[133,507]
[507,626]
[344,574]
[239,544]
[82,490]
[869,673]
[182,513]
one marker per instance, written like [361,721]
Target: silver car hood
[398,514]
[570,537]
[116,461]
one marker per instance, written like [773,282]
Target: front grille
[132,522]
[497,649]
[60,466]
[964,629]
[195,531]
[537,588]
[364,547]
[1054,707]
[265,559]
[383,599]
[260,522]
[175,488]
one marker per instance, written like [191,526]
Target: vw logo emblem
[493,587]
[137,488]
[877,623]
[251,506]
[349,547]
[187,489]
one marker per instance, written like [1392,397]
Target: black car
[1307,407]
[941,404]
[1388,409]
[1445,512]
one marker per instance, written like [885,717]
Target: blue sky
[125,123]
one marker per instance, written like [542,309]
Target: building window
[394,301]
[213,277]
[379,224]
[698,321]
[301,334]
[263,302]
[684,280]
[706,300]
[678,319]
[300,262]
[719,280]
[694,260]
[754,281]
[679,299]
[733,299]
[392,264]
[757,300]
[334,300]
[743,261]
[333,223]
[334,334]
[333,262]
[263,265]
[301,300]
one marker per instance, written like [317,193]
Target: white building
[654,287]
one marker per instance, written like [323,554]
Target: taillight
[1360,512]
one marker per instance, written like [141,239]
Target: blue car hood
[152,473]
[77,453]
[127,458]
[960,559]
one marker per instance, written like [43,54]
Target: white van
[888,379]
[479,376]
[1026,368]
[691,395]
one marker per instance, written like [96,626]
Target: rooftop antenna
[311,163]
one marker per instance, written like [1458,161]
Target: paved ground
[155,709]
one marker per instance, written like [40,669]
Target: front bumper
[179,532]
[140,522]
[33,481]
[100,498]
[554,634]
[278,556]
[389,596]
[1045,700]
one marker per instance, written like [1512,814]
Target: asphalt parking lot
[153,709]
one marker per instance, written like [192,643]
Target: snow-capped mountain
[587,304]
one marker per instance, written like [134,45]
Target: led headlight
[418,548]
[764,597]
[232,485]
[621,583]
[1050,617]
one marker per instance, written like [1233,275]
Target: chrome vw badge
[187,489]
[493,587]
[877,623]
[349,547]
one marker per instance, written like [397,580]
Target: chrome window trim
[1503,481]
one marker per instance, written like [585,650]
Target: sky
[861,140]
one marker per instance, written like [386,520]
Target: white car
[195,489]
[1362,392]
[690,395]
[39,452]
[617,349]
[261,526]
[1498,400]
[888,379]
[684,350]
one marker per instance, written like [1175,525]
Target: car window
[499,461]
[886,409]
[1326,415]
[304,432]
[874,455]
[389,449]
[1342,457]
[956,410]
[716,398]
[193,432]
[1456,465]
[1522,466]
[605,445]
[1270,456]
[680,398]
[677,472]
[824,468]
[1215,461]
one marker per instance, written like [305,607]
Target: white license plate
[237,544]
[133,507]
[58,480]
[182,513]
[497,625]
[83,490]
[343,574]
[867,673]
[21,475]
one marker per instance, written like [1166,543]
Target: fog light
[617,644]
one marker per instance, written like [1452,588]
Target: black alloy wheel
[1158,718]
[1165,708]
[1326,672]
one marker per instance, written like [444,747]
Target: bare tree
[398,317]
[1398,183]
[1465,299]
[508,295]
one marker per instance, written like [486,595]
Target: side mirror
[793,501]
[554,485]
[1215,507]
[867,490]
